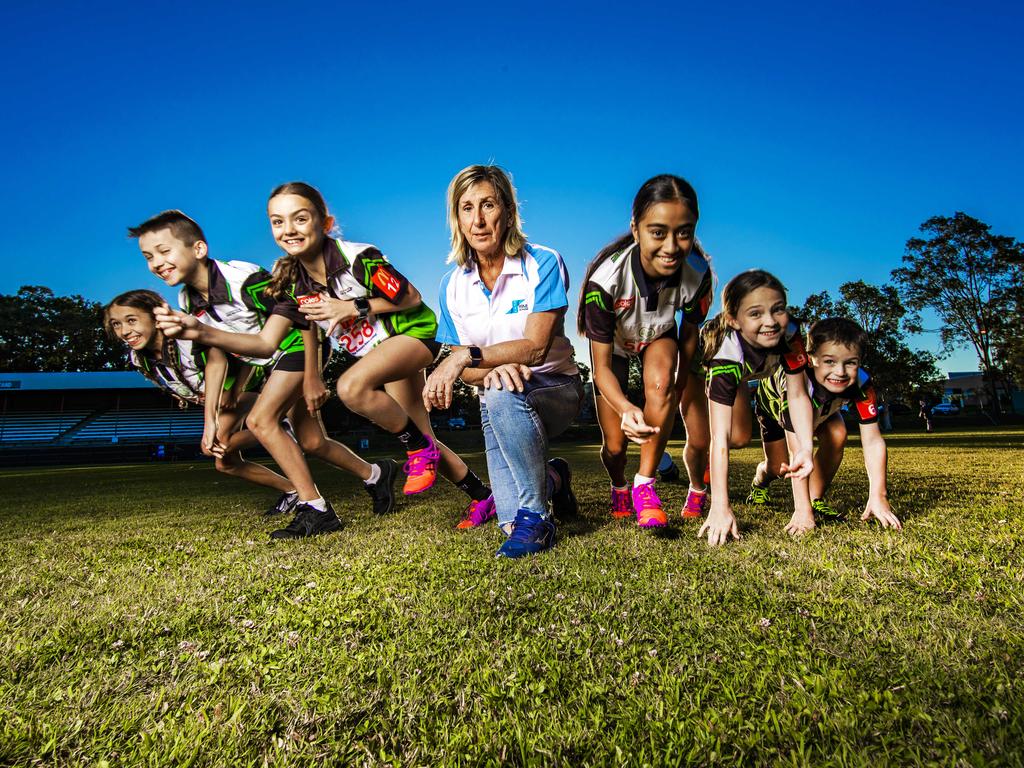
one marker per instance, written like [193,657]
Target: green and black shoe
[825,512]
[759,496]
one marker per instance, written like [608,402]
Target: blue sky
[818,137]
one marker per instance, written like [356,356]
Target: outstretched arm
[262,344]
[875,461]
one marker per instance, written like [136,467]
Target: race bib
[356,336]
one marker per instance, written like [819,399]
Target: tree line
[967,276]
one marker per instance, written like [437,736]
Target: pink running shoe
[648,507]
[421,468]
[477,513]
[696,504]
[620,502]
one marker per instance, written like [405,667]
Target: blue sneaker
[531,533]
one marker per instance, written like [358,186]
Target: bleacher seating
[141,425]
[38,426]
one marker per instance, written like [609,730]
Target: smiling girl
[631,294]
[745,342]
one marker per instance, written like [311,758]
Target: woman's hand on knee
[511,377]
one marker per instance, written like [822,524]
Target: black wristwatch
[362,306]
[475,357]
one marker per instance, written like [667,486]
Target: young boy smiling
[834,378]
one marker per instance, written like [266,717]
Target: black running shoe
[309,521]
[285,505]
[670,475]
[383,491]
[563,501]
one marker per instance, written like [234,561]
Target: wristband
[362,306]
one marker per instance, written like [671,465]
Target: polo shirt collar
[334,263]
[648,288]
[513,265]
[217,288]
[753,357]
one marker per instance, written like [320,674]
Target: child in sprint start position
[834,378]
[630,297]
[747,341]
[180,367]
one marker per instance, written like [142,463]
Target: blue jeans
[517,426]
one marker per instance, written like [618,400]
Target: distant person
[834,378]
[628,303]
[503,310]
[228,301]
[925,413]
[747,341]
[180,368]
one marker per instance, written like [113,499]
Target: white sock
[374,474]
[641,480]
[620,490]
[318,504]
[702,491]
[293,493]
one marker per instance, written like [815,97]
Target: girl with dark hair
[747,341]
[631,294]
[183,369]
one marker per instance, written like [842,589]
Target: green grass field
[147,620]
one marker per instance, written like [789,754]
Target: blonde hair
[499,178]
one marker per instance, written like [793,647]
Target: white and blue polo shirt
[537,281]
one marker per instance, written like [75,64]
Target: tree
[962,272]
[1007,339]
[899,372]
[43,332]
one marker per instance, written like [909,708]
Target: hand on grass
[511,377]
[635,428]
[879,508]
[720,525]
[800,523]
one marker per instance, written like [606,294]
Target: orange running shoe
[421,468]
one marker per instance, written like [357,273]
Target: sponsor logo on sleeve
[386,281]
[624,303]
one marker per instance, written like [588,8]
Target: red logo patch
[311,298]
[388,284]
[624,303]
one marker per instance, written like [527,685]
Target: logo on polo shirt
[518,305]
[624,303]
[386,282]
[311,298]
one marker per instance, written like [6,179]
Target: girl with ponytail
[747,341]
[631,295]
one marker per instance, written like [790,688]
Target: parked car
[945,409]
[456,422]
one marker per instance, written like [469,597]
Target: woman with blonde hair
[503,310]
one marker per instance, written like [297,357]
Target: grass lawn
[148,620]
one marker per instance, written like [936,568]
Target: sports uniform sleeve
[695,310]
[723,381]
[552,289]
[255,294]
[598,314]
[382,281]
[288,307]
[866,406]
[448,326]
[794,356]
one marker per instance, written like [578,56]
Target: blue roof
[75,380]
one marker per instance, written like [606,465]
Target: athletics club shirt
[358,270]
[180,370]
[237,302]
[626,308]
[773,399]
[736,362]
[536,281]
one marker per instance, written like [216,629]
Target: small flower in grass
[292,639]
[241,599]
[248,624]
[619,642]
[201,655]
[117,645]
[652,652]
[803,613]
[764,623]
[310,585]
[559,596]
[187,646]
